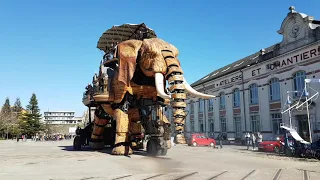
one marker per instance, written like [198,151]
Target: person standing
[259,139]
[220,137]
[253,140]
[247,136]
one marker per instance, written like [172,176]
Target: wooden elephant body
[131,89]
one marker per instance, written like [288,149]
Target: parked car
[273,144]
[199,139]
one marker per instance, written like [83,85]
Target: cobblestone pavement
[57,161]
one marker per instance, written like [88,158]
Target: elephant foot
[137,146]
[168,144]
[180,139]
[96,145]
[121,150]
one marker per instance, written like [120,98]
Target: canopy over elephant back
[137,83]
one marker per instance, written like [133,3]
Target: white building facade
[61,117]
[251,93]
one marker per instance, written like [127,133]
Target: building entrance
[303,127]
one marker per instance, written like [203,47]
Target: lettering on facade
[228,81]
[294,59]
[256,72]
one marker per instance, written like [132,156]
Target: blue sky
[49,47]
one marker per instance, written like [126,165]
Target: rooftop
[256,58]
[236,66]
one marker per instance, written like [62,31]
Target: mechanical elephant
[140,71]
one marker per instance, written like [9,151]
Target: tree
[6,117]
[17,107]
[30,123]
[33,105]
[6,108]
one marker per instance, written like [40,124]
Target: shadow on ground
[108,150]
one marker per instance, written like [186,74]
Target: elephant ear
[127,53]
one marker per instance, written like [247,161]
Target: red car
[273,144]
[200,139]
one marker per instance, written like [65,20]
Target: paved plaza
[58,161]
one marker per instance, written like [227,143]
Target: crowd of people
[51,137]
[253,139]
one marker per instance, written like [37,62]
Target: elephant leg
[101,118]
[122,146]
[135,129]
[166,127]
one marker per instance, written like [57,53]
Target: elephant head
[158,59]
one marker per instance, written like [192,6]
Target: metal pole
[310,136]
[290,119]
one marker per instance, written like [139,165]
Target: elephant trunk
[178,88]
[175,79]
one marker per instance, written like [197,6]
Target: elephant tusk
[192,91]
[159,80]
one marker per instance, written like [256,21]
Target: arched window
[274,89]
[191,107]
[236,98]
[222,100]
[201,127]
[201,105]
[211,104]
[223,124]
[298,82]
[254,97]
[211,121]
[192,126]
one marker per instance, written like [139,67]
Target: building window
[201,129]
[254,98]
[255,123]
[276,119]
[211,121]
[201,102]
[222,101]
[223,124]
[191,107]
[298,82]
[237,127]
[274,89]
[192,126]
[236,98]
[210,104]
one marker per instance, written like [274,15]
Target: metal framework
[308,100]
